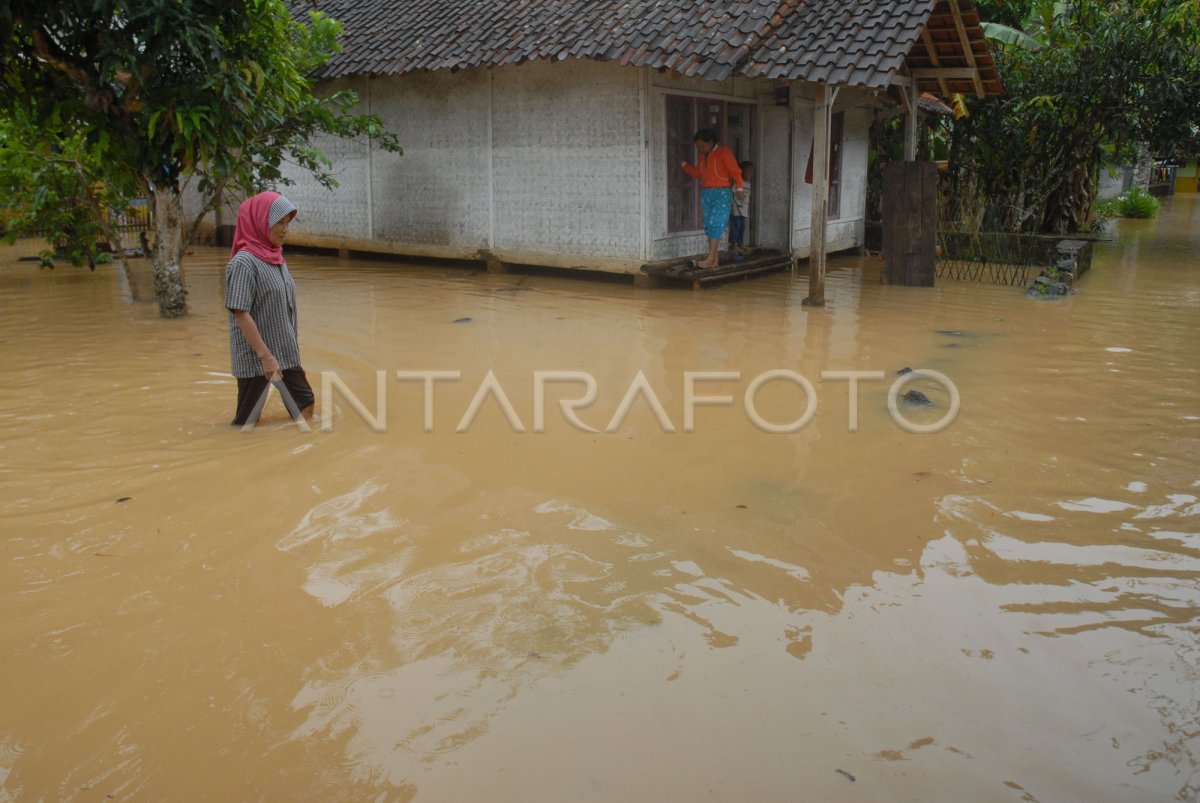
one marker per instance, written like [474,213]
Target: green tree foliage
[46,190]
[159,98]
[1085,83]
[1010,13]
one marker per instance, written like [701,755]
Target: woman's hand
[245,322]
[270,366]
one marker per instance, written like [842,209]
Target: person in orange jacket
[718,172]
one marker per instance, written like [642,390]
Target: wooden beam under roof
[942,73]
[931,50]
[950,53]
[968,51]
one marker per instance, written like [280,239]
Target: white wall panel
[772,181]
[846,231]
[341,212]
[547,163]
[436,193]
[567,161]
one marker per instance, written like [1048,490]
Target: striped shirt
[268,293]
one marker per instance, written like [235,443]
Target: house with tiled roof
[550,132]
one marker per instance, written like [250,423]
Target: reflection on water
[1006,610]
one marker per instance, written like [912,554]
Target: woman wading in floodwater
[261,298]
[718,172]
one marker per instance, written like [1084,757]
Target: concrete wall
[539,164]
[437,193]
[772,204]
[846,230]
[191,202]
[346,209]
[560,164]
[567,161]
[1113,182]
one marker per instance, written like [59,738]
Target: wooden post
[909,223]
[910,123]
[820,200]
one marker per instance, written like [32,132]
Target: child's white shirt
[741,206]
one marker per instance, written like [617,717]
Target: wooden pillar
[910,123]
[909,223]
[820,199]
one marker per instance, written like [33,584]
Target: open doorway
[734,123]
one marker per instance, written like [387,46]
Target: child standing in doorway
[741,212]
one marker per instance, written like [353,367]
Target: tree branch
[58,60]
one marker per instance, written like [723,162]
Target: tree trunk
[166,252]
[1142,167]
[127,284]
[1067,207]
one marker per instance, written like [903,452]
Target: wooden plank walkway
[681,271]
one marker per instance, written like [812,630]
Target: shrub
[1102,212]
[1137,203]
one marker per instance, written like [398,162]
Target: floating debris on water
[917,398]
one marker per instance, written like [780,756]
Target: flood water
[1003,610]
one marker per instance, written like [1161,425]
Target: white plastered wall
[435,195]
[344,210]
[539,163]
[432,199]
[845,231]
[561,164]
[566,161]
[191,201]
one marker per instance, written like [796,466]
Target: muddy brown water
[1003,610]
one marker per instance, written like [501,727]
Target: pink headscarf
[255,218]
